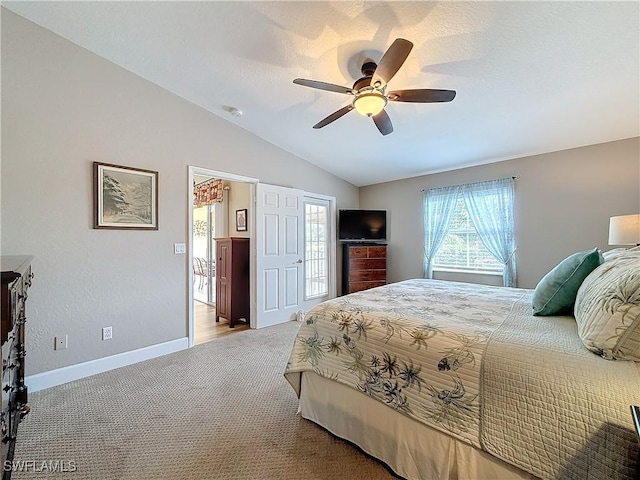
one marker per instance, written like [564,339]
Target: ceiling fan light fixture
[370,104]
[370,91]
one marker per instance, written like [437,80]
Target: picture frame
[241,220]
[125,198]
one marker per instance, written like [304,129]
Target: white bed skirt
[409,448]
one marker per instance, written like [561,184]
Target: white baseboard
[49,379]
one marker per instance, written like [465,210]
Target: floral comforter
[416,346]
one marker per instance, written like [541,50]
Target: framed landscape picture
[124,197]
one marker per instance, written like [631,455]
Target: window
[470,227]
[462,248]
[316,245]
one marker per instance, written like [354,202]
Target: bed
[452,380]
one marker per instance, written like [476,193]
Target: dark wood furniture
[16,280]
[232,279]
[364,266]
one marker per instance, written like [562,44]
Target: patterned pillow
[611,254]
[607,308]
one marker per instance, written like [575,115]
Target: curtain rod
[515,177]
[209,180]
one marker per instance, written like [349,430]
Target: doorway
[313,267]
[208,203]
[215,196]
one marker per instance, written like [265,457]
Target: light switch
[179,248]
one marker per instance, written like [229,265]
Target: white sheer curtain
[490,206]
[439,205]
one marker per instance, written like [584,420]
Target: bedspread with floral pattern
[415,345]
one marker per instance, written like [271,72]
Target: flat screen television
[362,225]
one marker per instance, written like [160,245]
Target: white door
[279,254]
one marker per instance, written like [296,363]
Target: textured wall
[563,204]
[62,109]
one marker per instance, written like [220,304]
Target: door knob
[299,261]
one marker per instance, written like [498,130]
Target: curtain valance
[207,193]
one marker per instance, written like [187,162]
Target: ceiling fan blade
[391,61]
[383,122]
[330,87]
[425,95]
[334,116]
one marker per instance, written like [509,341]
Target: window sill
[459,270]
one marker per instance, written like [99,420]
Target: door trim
[192,171]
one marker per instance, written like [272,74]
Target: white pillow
[607,308]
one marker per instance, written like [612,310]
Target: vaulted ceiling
[530,77]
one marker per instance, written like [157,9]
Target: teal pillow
[556,293]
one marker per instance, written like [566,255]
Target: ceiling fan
[370,91]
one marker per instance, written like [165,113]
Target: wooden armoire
[232,279]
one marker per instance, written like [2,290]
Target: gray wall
[63,108]
[563,204]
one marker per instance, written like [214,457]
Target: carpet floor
[220,410]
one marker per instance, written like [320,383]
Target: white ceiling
[531,77]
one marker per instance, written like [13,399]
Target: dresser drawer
[377,252]
[9,381]
[367,264]
[368,252]
[358,252]
[9,346]
[367,275]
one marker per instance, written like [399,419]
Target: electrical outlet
[60,342]
[107,333]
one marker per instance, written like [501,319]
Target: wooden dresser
[16,280]
[364,266]
[232,279]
